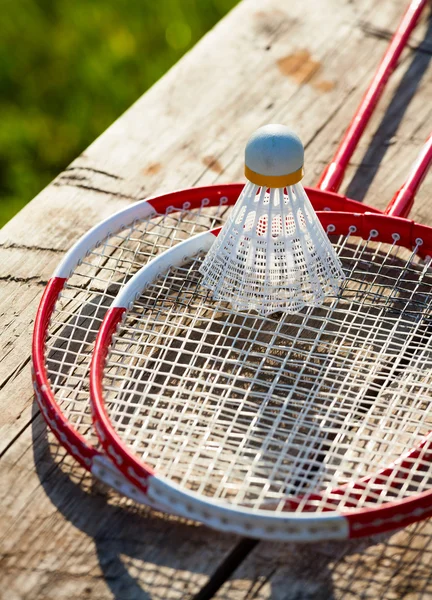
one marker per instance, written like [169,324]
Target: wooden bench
[305,64]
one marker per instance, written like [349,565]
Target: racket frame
[322,199]
[189,199]
[157,490]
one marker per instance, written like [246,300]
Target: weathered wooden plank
[305,64]
[63,538]
[400,567]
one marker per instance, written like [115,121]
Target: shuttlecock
[273,253]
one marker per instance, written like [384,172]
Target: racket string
[91,289]
[252,409]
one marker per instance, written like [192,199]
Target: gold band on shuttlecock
[274,181]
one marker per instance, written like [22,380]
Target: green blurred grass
[69,68]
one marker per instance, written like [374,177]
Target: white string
[254,409]
[90,291]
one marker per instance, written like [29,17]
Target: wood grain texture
[399,567]
[63,536]
[302,63]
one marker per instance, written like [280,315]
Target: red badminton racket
[102,261]
[298,427]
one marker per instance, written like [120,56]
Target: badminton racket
[290,427]
[101,262]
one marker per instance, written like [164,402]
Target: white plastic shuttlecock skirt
[272,254]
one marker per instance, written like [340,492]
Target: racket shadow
[130,543]
[396,567]
[134,546]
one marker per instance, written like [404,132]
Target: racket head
[88,279]
[141,390]
[71,430]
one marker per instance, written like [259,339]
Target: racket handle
[333,174]
[402,202]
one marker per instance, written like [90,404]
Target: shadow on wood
[142,554]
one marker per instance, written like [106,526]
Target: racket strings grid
[89,292]
[252,410]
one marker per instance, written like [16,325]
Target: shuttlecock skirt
[272,254]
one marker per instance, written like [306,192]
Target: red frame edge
[74,442]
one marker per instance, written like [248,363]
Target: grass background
[69,68]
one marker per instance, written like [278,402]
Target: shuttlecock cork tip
[274,157]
